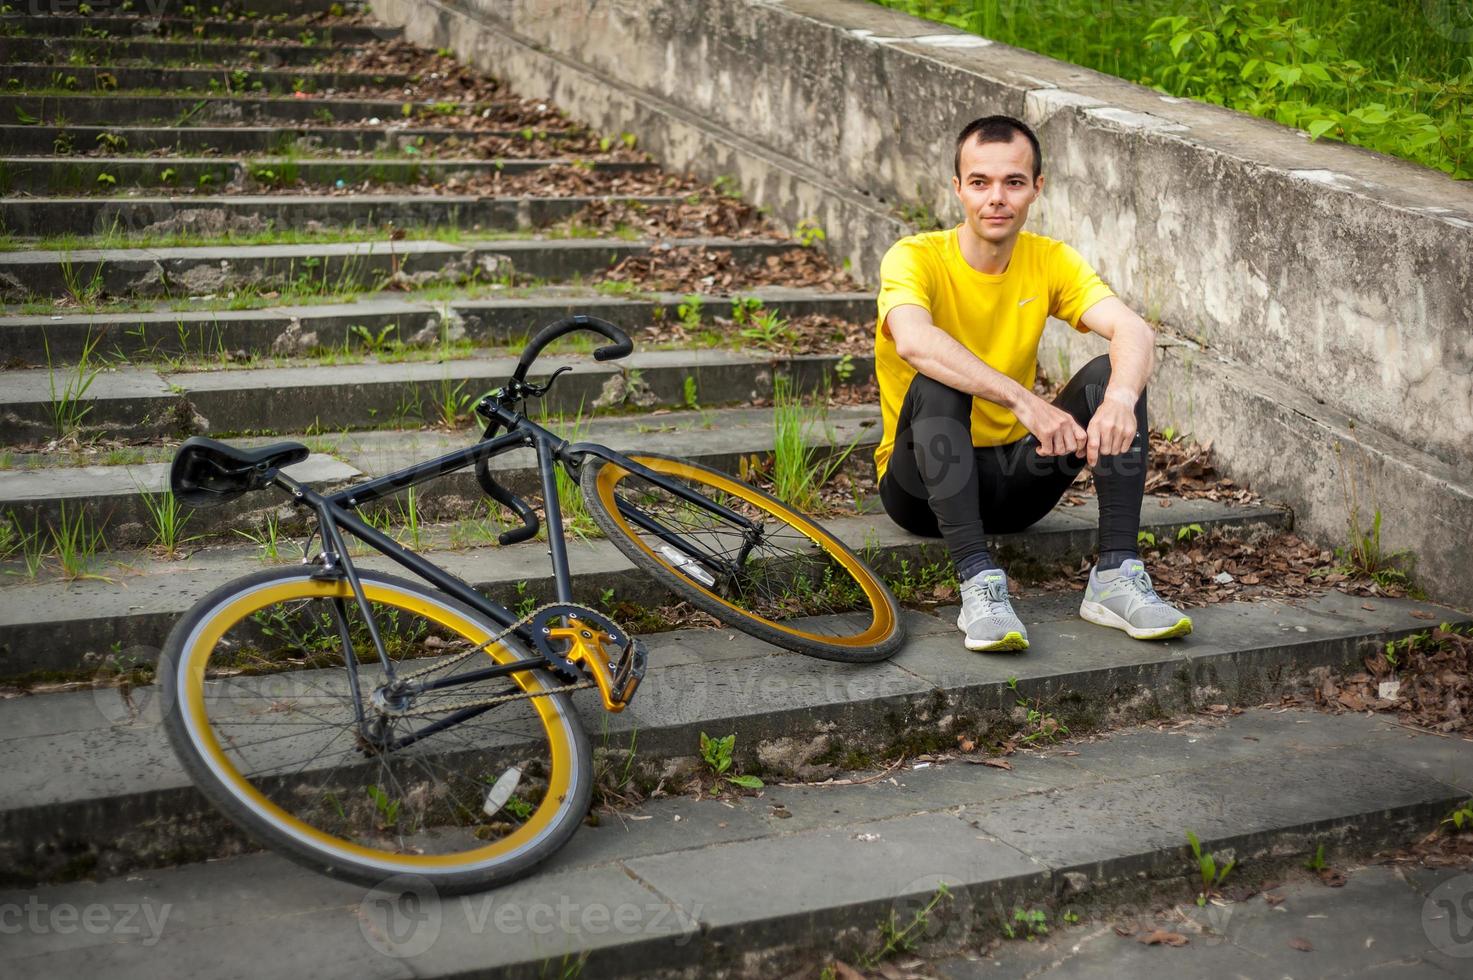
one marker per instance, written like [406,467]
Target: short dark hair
[997,129]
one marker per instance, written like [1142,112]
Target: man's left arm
[1132,345]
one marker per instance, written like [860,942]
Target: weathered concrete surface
[41,139]
[104,110]
[67,626]
[212,269]
[208,28]
[272,81]
[1341,273]
[261,212]
[289,330]
[728,886]
[141,403]
[1316,459]
[1384,922]
[97,50]
[67,174]
[115,499]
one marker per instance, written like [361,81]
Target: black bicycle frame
[336,514]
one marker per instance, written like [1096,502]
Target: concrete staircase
[214,227]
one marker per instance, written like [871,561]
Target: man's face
[996,187]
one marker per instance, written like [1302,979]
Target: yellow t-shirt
[999,318]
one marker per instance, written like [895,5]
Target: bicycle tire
[433,825]
[835,565]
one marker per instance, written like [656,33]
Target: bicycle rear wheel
[797,586]
[468,786]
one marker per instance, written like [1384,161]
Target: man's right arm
[936,354]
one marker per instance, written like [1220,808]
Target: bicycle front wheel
[284,714]
[791,583]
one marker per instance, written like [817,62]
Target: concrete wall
[1335,278]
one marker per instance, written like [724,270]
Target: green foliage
[388,809]
[809,233]
[75,541]
[689,312]
[1028,923]
[895,939]
[67,407]
[1391,76]
[1364,556]
[1212,875]
[744,309]
[844,368]
[1145,538]
[769,329]
[1317,863]
[1189,533]
[1460,817]
[168,518]
[717,754]
[377,343]
[799,470]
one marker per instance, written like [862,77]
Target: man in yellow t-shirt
[968,450]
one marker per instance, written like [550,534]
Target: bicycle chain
[496,699]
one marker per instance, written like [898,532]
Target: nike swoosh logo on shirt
[1025,302]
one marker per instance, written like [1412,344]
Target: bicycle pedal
[629,671]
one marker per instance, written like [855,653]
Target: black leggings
[939,485]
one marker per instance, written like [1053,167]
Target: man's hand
[1112,427]
[1055,429]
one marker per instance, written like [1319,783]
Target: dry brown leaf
[1157,937]
[997,763]
[1301,944]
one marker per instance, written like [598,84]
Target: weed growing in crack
[798,470]
[1212,876]
[897,939]
[716,753]
[167,519]
[75,541]
[67,408]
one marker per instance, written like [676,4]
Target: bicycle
[344,717]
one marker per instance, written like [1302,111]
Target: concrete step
[114,497]
[91,785]
[71,174]
[217,80]
[327,268]
[207,335]
[195,110]
[152,51]
[138,403]
[41,140]
[48,625]
[138,215]
[311,34]
[762,886]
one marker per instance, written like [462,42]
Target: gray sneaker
[1128,602]
[987,617]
